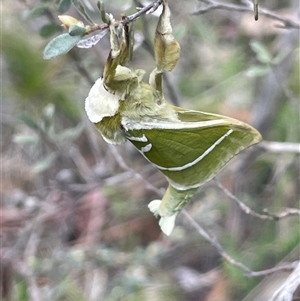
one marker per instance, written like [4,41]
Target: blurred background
[74,222]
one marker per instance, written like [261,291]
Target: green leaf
[81,9]
[29,122]
[70,134]
[44,164]
[60,45]
[257,71]
[38,11]
[75,30]
[64,5]
[262,53]
[23,139]
[22,290]
[49,29]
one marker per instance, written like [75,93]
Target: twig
[216,244]
[96,218]
[280,147]
[30,253]
[290,266]
[80,67]
[287,212]
[124,166]
[80,162]
[271,88]
[211,4]
[23,267]
[147,9]
[267,216]
[232,261]
[126,20]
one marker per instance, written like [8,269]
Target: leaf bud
[68,21]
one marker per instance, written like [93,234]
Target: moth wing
[192,150]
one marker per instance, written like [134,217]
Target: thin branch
[80,162]
[152,7]
[290,266]
[211,5]
[280,147]
[81,68]
[286,213]
[232,261]
[267,216]
[136,175]
[29,253]
[128,19]
[216,244]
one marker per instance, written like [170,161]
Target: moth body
[135,101]
[188,147]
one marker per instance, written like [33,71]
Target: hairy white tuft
[154,206]
[166,223]
[100,103]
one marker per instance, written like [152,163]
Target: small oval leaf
[75,30]
[70,134]
[49,29]
[60,45]
[38,11]
[81,9]
[257,71]
[64,6]
[45,163]
[262,52]
[25,138]
[29,122]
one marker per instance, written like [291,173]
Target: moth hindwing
[191,153]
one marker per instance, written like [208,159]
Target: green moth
[188,147]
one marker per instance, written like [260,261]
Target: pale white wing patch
[130,124]
[100,103]
[141,139]
[146,148]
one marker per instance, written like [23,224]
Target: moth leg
[115,76]
[167,49]
[126,46]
